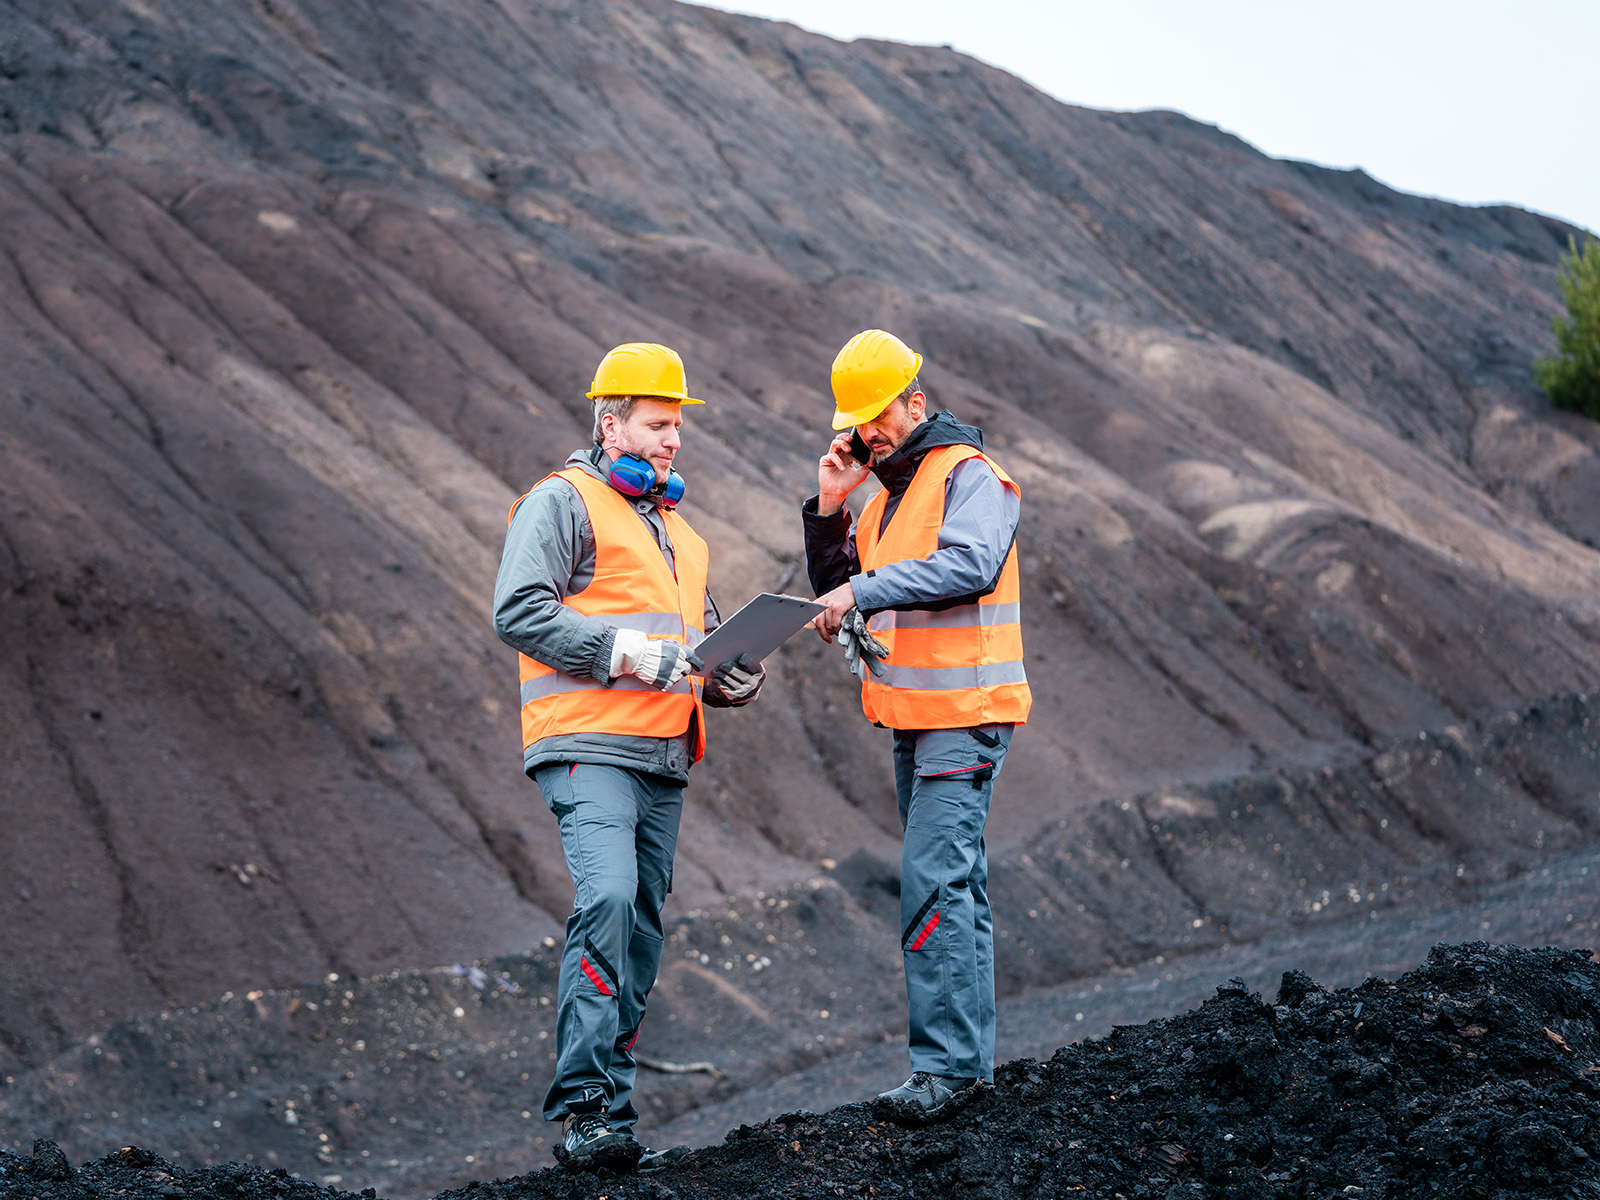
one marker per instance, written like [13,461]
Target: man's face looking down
[650,433]
[887,431]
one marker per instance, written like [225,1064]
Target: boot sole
[663,1160]
[913,1115]
[614,1152]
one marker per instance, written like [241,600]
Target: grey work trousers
[943,780]
[619,829]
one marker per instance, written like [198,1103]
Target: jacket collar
[896,472]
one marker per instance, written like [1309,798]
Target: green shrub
[1571,377]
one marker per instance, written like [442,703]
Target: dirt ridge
[1475,1072]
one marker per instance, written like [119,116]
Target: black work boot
[926,1096]
[588,1142]
[655,1160]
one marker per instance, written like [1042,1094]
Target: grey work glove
[862,651]
[738,679]
[657,661]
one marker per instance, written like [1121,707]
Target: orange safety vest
[958,666]
[633,588]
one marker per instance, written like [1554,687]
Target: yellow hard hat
[641,369]
[872,369]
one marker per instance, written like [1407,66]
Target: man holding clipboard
[602,591]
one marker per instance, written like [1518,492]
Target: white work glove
[738,679]
[862,651]
[657,661]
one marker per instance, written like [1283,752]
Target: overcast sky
[1474,101]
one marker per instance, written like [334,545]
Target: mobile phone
[859,450]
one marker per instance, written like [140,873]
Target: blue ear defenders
[634,477]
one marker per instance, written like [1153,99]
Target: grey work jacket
[549,555]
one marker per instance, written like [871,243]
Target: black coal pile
[1476,1075]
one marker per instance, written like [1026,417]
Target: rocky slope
[296,296]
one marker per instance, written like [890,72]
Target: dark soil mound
[1473,1076]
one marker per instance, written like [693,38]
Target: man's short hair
[620,407]
[904,395]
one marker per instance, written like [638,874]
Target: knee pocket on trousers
[940,937]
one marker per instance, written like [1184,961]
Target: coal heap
[1473,1076]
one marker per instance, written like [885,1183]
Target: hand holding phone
[840,471]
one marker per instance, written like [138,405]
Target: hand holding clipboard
[757,629]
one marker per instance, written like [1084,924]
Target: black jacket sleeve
[830,548]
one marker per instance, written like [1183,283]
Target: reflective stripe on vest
[959,666]
[633,588]
[961,617]
[951,678]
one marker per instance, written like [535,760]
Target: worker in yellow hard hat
[869,373]
[924,592]
[602,591]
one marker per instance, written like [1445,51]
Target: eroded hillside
[297,296]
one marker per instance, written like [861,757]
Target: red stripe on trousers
[594,976]
[933,923]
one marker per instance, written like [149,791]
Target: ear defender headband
[634,477]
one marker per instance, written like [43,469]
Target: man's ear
[917,405]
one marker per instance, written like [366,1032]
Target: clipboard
[757,629]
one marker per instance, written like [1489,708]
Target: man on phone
[929,576]
[602,590]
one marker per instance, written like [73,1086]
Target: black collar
[941,429]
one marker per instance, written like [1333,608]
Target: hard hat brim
[844,420]
[644,396]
